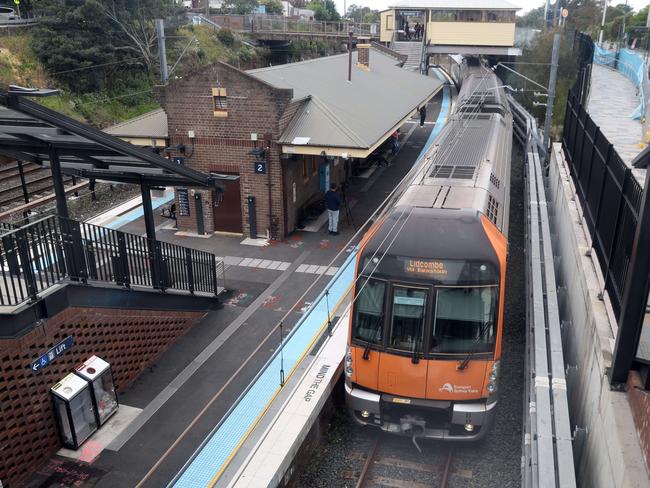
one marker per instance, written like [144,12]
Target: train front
[426,324]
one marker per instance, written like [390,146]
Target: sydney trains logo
[449,388]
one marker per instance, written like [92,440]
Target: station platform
[179,410]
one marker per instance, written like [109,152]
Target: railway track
[37,180]
[385,466]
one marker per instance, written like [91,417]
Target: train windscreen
[465,319]
[407,318]
[369,310]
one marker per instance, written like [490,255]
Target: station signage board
[183,201]
[62,347]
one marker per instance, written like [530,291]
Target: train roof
[482,91]
[426,233]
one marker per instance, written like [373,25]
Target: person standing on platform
[423,115]
[333,203]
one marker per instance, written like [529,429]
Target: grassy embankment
[132,94]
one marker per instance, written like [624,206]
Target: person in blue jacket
[333,202]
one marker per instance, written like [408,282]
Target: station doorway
[227,211]
[410,25]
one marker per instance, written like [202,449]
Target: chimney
[363,53]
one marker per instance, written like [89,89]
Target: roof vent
[458,172]
[495,181]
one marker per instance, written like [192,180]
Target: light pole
[602,23]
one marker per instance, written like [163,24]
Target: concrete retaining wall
[611,455]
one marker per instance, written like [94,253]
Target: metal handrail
[548,444]
[286,25]
[49,251]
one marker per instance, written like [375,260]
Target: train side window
[407,320]
[369,311]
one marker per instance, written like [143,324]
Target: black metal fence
[610,196]
[583,48]
[40,255]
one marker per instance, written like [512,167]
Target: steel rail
[547,444]
[363,477]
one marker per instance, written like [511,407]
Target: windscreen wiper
[463,364]
[366,351]
[415,358]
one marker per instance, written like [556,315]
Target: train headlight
[469,427]
[348,362]
[491,387]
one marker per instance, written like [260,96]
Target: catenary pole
[551,91]
[546,5]
[162,52]
[602,23]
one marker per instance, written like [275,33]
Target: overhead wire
[94,66]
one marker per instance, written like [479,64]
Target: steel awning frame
[36,132]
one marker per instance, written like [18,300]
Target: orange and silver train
[427,319]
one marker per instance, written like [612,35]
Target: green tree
[134,23]
[534,19]
[324,9]
[72,36]
[535,65]
[273,7]
[584,16]
[362,14]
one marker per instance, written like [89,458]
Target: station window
[503,16]
[220,102]
[443,16]
[470,15]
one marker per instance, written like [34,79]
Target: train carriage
[427,320]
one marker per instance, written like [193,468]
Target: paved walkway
[612,99]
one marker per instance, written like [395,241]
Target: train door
[401,371]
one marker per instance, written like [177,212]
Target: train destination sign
[52,354]
[425,267]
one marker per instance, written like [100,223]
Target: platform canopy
[31,132]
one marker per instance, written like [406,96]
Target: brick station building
[286,132]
